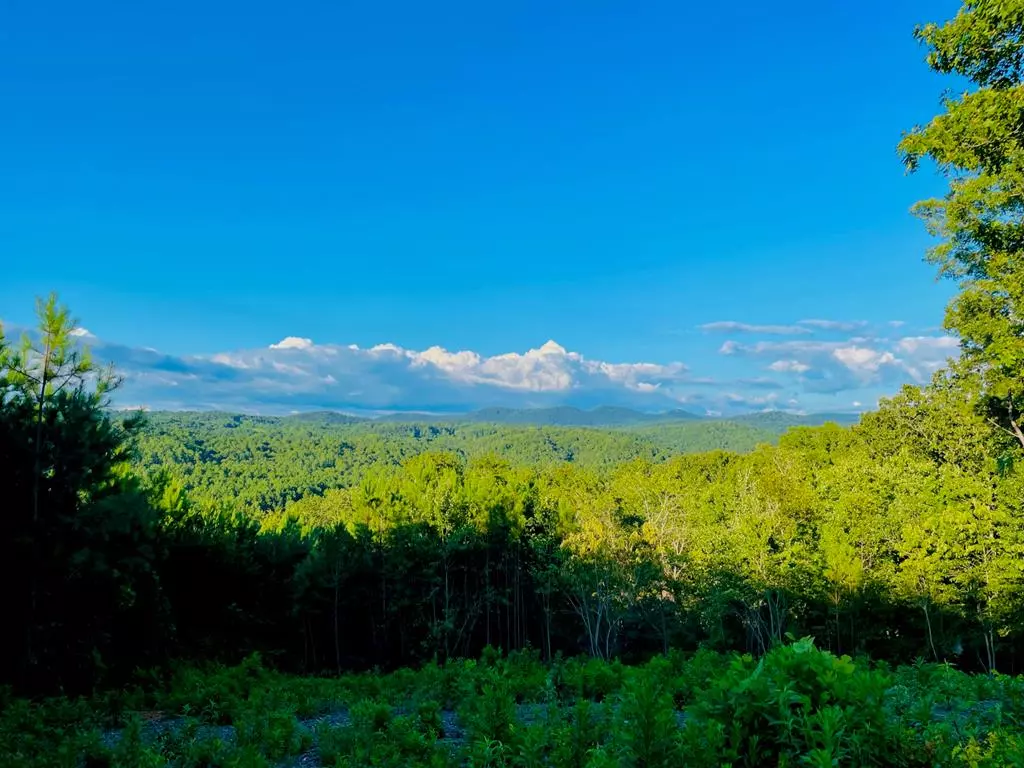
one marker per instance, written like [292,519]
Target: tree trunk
[38,447]
[931,638]
[839,630]
[990,648]
[337,644]
[36,482]
[1014,426]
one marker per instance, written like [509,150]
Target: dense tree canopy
[260,464]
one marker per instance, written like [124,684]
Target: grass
[795,706]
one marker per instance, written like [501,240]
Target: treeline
[259,464]
[884,540]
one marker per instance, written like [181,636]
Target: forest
[260,464]
[220,590]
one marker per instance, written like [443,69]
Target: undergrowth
[796,705]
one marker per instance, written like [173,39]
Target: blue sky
[207,179]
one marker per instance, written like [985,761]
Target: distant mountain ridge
[782,420]
[568,416]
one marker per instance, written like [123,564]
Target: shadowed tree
[77,531]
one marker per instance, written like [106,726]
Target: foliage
[795,705]
[797,702]
[263,464]
[978,143]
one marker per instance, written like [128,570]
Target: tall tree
[978,143]
[76,533]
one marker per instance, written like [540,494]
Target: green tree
[978,143]
[77,538]
[49,364]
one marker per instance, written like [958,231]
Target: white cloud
[386,349]
[862,360]
[789,366]
[294,370]
[81,332]
[732,326]
[752,401]
[795,348]
[835,325]
[834,366]
[233,362]
[640,375]
[800,328]
[914,344]
[293,342]
[924,355]
[549,368]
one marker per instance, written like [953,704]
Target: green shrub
[371,716]
[648,731]
[526,675]
[215,693]
[490,716]
[593,679]
[248,756]
[691,675]
[132,752]
[276,734]
[375,737]
[798,703]
[428,719]
[333,742]
[489,753]
[573,740]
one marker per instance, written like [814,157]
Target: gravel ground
[154,726]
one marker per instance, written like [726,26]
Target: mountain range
[567,416]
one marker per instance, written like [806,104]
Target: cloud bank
[859,362]
[826,365]
[296,373]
